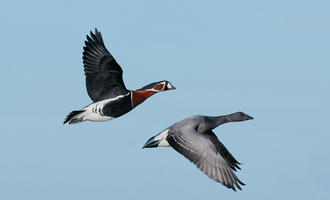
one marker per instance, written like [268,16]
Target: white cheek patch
[169,86]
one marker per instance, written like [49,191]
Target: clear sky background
[268,59]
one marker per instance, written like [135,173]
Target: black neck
[149,86]
[210,123]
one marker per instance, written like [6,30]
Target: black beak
[173,88]
[249,117]
[151,143]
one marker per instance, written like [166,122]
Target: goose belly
[108,109]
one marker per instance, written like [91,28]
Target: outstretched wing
[208,156]
[231,161]
[104,76]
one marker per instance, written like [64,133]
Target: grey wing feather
[200,150]
[231,161]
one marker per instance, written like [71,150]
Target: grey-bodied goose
[194,139]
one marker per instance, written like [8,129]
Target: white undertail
[162,137]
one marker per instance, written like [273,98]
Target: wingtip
[92,34]
[240,182]
[88,39]
[95,37]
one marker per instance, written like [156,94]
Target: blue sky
[267,59]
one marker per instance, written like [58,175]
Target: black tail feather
[71,115]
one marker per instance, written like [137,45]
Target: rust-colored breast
[140,96]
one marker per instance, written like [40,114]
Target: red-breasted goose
[105,85]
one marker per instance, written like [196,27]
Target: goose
[194,139]
[105,85]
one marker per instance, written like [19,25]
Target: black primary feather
[104,76]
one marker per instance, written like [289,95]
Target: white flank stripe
[93,112]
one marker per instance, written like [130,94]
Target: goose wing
[104,76]
[208,154]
